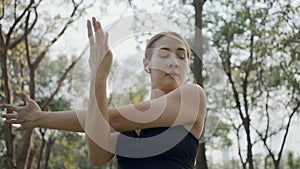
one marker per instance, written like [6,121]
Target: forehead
[170,41]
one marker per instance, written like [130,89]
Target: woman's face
[169,63]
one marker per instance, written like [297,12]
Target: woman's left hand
[100,55]
[27,116]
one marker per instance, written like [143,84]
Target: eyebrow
[168,49]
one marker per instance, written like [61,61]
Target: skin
[169,66]
[168,69]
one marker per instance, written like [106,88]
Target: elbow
[115,125]
[97,158]
[97,161]
[114,121]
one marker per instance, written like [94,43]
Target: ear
[189,65]
[146,63]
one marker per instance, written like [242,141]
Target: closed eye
[163,52]
[181,57]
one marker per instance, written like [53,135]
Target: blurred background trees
[258,46]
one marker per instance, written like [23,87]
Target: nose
[173,62]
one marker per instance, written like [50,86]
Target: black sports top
[157,148]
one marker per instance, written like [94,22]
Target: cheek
[184,71]
[184,65]
[158,64]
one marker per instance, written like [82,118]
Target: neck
[156,93]
[158,90]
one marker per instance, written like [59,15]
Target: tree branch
[40,156]
[26,32]
[43,53]
[15,9]
[266,135]
[239,146]
[60,81]
[267,112]
[287,129]
[17,20]
[247,69]
[264,139]
[26,40]
[3,10]
[235,93]
[2,39]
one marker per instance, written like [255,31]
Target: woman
[159,133]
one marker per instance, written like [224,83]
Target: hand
[26,116]
[100,55]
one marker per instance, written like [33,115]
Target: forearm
[72,120]
[97,115]
[97,126]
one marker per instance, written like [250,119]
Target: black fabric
[157,148]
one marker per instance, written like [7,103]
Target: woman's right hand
[27,116]
[100,59]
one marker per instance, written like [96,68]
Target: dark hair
[156,37]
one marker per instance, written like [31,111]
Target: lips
[172,73]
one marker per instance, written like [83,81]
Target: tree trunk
[26,147]
[8,133]
[48,151]
[23,157]
[249,144]
[40,158]
[201,162]
[277,164]
[30,158]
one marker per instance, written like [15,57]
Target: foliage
[24,42]
[258,42]
[292,161]
[252,41]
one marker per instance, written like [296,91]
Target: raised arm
[101,142]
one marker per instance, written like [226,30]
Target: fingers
[106,41]
[10,107]
[9,116]
[98,40]
[90,32]
[14,121]
[20,128]
[96,24]
[25,97]
[89,26]
[98,31]
[23,126]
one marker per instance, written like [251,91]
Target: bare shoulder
[195,88]
[191,86]
[196,91]
[202,96]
